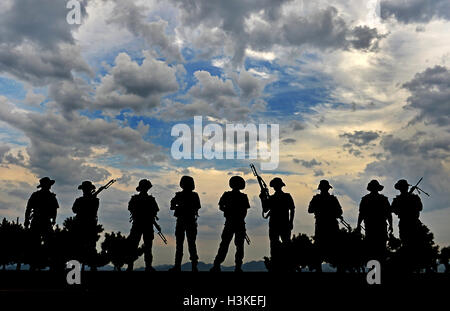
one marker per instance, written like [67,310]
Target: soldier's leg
[239,240]
[148,244]
[179,236]
[191,234]
[227,235]
[274,238]
[133,241]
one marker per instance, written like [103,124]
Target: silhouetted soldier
[40,214]
[327,210]
[281,210]
[375,210]
[144,210]
[186,204]
[234,204]
[85,221]
[407,206]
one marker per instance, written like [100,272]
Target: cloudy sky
[361,90]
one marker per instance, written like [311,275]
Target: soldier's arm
[156,207]
[360,214]
[292,211]
[173,202]
[54,209]
[312,207]
[75,207]
[388,214]
[28,210]
[222,204]
[394,206]
[247,203]
[419,203]
[197,204]
[265,203]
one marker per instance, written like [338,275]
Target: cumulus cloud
[134,18]
[219,98]
[134,86]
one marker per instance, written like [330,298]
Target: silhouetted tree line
[300,254]
[351,254]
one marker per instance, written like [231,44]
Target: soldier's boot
[130,267]
[215,268]
[194,266]
[238,267]
[175,268]
[149,269]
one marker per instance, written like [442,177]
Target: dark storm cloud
[430,95]
[415,11]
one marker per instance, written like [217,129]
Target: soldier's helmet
[144,185]
[86,185]
[187,183]
[237,182]
[324,185]
[401,184]
[46,181]
[374,185]
[277,182]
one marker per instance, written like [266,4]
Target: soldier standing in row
[143,209]
[407,206]
[186,204]
[40,215]
[327,210]
[281,210]
[86,221]
[234,204]
[375,211]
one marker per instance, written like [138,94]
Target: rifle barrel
[163,238]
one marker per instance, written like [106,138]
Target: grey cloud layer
[59,147]
[37,45]
[323,29]
[415,11]
[430,95]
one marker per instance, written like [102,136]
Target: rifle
[95,193]
[161,235]
[416,187]
[347,225]
[264,189]
[247,239]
